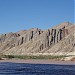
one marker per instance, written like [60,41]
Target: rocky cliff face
[57,40]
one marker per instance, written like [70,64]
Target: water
[7,68]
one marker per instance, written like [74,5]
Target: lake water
[7,68]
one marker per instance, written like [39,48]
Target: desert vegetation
[32,56]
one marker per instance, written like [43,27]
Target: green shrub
[9,56]
[33,57]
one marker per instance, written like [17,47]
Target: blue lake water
[7,68]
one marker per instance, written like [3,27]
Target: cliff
[59,40]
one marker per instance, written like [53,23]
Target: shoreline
[39,61]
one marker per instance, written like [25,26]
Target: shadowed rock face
[57,40]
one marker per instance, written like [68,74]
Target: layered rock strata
[59,40]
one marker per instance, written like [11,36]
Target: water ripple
[7,68]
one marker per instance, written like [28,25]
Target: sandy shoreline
[39,61]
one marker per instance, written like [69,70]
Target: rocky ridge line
[57,40]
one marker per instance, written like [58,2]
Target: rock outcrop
[59,40]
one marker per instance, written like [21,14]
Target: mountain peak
[66,24]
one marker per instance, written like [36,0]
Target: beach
[39,61]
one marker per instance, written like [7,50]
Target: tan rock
[59,40]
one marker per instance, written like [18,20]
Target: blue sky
[18,15]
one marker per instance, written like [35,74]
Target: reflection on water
[7,68]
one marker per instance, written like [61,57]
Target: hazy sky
[18,15]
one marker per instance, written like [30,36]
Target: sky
[16,15]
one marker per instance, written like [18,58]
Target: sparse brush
[34,57]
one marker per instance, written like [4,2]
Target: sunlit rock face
[59,40]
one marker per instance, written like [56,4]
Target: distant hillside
[59,40]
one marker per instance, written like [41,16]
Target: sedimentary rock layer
[57,40]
